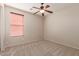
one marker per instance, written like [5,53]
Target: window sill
[17,36]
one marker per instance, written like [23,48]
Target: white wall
[0,26]
[63,26]
[33,28]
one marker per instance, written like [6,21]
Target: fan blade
[36,7]
[48,11]
[36,12]
[47,6]
[42,14]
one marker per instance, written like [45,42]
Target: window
[16,24]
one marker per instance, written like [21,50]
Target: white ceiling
[27,6]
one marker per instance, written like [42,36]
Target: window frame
[17,25]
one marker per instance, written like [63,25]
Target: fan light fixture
[42,11]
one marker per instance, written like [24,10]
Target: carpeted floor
[41,48]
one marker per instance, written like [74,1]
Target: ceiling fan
[42,9]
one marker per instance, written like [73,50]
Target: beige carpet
[41,48]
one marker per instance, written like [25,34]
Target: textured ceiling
[27,6]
